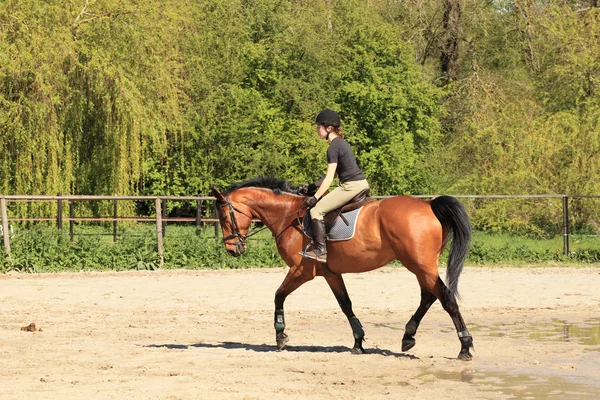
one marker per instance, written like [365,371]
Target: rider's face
[322,131]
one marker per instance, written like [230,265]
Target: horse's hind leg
[427,299]
[451,306]
[336,283]
[449,303]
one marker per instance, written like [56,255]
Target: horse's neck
[274,210]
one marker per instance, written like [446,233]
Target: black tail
[453,217]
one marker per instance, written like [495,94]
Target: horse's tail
[454,218]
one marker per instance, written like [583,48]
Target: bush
[44,249]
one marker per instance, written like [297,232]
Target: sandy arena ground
[209,335]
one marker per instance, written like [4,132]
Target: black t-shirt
[339,152]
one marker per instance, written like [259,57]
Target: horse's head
[235,219]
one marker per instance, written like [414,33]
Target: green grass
[491,248]
[45,249]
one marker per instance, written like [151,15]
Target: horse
[405,228]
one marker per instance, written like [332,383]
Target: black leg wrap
[359,335]
[408,340]
[357,329]
[411,327]
[466,342]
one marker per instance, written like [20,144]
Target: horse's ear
[217,194]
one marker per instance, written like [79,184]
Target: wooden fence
[161,219]
[159,203]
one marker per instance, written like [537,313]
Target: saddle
[357,201]
[337,231]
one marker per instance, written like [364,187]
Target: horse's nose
[233,253]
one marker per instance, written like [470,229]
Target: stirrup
[315,257]
[310,257]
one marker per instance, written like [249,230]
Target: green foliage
[569,75]
[168,98]
[160,97]
[44,249]
[488,248]
[391,111]
[185,248]
[524,119]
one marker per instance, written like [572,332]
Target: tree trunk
[449,56]
[527,33]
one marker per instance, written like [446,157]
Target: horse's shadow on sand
[265,348]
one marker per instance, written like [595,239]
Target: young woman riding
[341,163]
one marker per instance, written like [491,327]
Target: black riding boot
[319,250]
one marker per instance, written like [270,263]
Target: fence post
[216,223]
[59,217]
[566,225]
[71,222]
[198,216]
[159,232]
[164,215]
[115,215]
[5,231]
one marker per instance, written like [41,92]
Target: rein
[236,228]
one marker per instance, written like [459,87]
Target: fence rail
[161,219]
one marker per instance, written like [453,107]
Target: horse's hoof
[282,341]
[408,344]
[465,356]
[358,350]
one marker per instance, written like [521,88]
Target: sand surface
[209,335]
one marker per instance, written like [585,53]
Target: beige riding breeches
[339,197]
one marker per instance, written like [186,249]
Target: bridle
[236,231]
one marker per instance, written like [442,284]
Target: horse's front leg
[336,283]
[295,278]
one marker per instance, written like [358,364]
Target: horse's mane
[268,182]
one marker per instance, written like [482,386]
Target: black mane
[268,182]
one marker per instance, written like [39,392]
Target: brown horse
[402,228]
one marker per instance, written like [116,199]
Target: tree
[450,51]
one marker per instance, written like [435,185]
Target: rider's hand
[310,201]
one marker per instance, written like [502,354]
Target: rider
[340,163]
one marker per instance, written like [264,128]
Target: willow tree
[91,92]
[34,157]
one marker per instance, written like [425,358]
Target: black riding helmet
[328,117]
